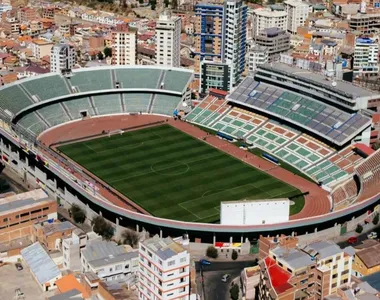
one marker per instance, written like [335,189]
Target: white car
[372,235]
[225,277]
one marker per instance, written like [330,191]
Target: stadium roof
[40,263]
[327,121]
[342,86]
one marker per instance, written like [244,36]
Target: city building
[19,212]
[366,57]
[365,23]
[72,246]
[257,55]
[62,57]
[215,75]
[42,267]
[313,271]
[108,260]
[51,235]
[124,45]
[168,40]
[115,291]
[298,12]
[73,294]
[355,291]
[68,283]
[264,18]
[275,40]
[367,260]
[27,14]
[164,270]
[41,48]
[250,278]
[220,36]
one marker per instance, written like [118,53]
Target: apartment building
[264,18]
[19,212]
[168,40]
[41,48]
[298,12]
[215,75]
[124,45]
[220,36]
[108,260]
[257,55]
[367,260]
[275,40]
[365,23]
[366,57]
[62,57]
[313,271]
[27,14]
[164,270]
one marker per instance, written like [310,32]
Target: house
[51,235]
[42,267]
[108,260]
[367,260]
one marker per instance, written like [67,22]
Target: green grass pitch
[173,175]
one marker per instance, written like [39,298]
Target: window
[335,276]
[5,219]
[334,285]
[183,259]
[118,267]
[319,277]
[171,263]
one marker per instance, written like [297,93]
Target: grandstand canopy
[324,120]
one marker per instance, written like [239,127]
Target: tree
[234,292]
[130,237]
[359,228]
[375,219]
[102,227]
[153,4]
[234,255]
[107,52]
[78,214]
[100,56]
[212,252]
[376,145]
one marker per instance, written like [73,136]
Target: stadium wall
[60,185]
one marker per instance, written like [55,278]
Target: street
[361,237]
[214,288]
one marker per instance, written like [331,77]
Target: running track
[316,203]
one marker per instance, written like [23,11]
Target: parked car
[352,240]
[225,277]
[372,235]
[19,267]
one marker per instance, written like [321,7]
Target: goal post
[113,132]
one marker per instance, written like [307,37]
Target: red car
[352,240]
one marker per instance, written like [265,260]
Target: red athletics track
[316,203]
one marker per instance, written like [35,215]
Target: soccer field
[173,175]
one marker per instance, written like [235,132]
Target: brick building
[19,212]
[51,235]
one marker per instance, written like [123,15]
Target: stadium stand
[326,121]
[86,81]
[54,114]
[14,99]
[33,123]
[136,102]
[49,87]
[176,81]
[108,104]
[165,104]
[77,105]
[369,173]
[144,79]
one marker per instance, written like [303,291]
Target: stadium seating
[77,105]
[33,123]
[369,173]
[175,80]
[144,79]
[54,114]
[14,99]
[136,102]
[107,104]
[346,192]
[165,104]
[86,81]
[47,88]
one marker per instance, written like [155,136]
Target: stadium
[129,143]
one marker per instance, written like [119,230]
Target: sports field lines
[173,175]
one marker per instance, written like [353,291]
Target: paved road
[214,288]
[360,237]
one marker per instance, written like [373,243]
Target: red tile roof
[278,276]
[364,148]
[376,118]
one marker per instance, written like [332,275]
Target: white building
[257,55]
[168,40]
[124,46]
[366,57]
[164,270]
[298,12]
[108,260]
[62,57]
[264,18]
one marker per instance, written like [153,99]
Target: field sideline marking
[198,218]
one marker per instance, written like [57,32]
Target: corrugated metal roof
[101,249]
[73,294]
[40,263]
